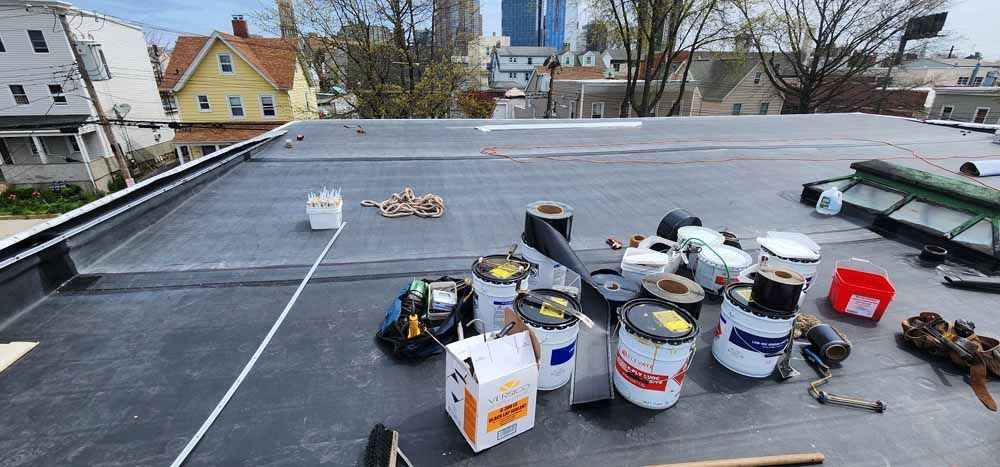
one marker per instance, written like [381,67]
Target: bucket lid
[543,315]
[501,268]
[704,234]
[658,321]
[734,257]
[788,249]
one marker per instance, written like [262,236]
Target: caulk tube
[592,371]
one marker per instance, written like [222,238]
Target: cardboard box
[494,399]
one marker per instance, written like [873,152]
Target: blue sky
[972,23]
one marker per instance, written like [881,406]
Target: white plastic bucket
[711,272]
[748,341]
[545,273]
[807,268]
[324,218]
[556,334]
[493,295]
[650,367]
[700,235]
[637,271]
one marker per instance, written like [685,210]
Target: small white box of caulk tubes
[492,385]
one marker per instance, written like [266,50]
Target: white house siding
[35,71]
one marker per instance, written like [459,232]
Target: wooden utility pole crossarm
[96,101]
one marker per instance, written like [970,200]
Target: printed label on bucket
[862,306]
[769,346]
[563,355]
[551,311]
[671,320]
[499,306]
[639,378]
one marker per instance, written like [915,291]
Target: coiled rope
[407,203]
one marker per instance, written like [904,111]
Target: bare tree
[377,51]
[812,49]
[656,35]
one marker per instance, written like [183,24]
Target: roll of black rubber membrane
[592,369]
[778,289]
[617,289]
[674,220]
[558,215]
[674,289]
[828,343]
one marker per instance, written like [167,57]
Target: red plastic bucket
[861,293]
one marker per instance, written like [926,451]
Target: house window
[589,60]
[618,66]
[597,110]
[207,149]
[981,114]
[978,81]
[226,64]
[38,41]
[185,152]
[2,47]
[764,107]
[236,106]
[73,144]
[737,108]
[512,75]
[104,62]
[56,91]
[512,60]
[169,102]
[946,112]
[20,96]
[963,81]
[203,104]
[529,60]
[756,77]
[267,108]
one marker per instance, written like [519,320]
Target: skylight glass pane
[870,197]
[930,216]
[979,236]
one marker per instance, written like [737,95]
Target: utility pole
[553,65]
[96,101]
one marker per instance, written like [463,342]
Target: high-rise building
[456,23]
[555,23]
[520,21]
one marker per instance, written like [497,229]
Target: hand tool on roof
[830,398]
[956,282]
[613,243]
[548,302]
[383,449]
[765,461]
[961,344]
[785,369]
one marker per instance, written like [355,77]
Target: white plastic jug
[830,201]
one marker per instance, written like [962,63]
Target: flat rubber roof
[138,348]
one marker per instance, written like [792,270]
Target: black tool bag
[393,330]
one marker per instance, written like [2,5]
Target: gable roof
[273,58]
[525,51]
[716,78]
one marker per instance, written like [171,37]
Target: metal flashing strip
[559,126]
[245,147]
[182,457]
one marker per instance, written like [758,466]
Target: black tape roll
[616,288]
[677,290]
[674,220]
[592,371]
[777,289]
[829,343]
[558,215]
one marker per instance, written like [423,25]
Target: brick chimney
[240,26]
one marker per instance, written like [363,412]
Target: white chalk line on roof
[559,126]
[182,457]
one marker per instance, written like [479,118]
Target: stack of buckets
[756,322]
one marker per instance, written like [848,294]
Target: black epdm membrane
[639,318]
[533,314]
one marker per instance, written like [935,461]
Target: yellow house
[246,84]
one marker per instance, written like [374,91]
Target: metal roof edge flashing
[38,261]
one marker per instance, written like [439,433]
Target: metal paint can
[656,342]
[750,340]
[556,333]
[495,280]
[711,272]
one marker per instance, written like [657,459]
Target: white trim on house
[242,106]
[204,51]
[208,102]
[274,105]
[985,117]
[951,111]
[232,64]
[31,42]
